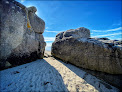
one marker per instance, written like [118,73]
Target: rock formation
[100,54]
[21,38]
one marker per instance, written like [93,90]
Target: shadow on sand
[35,76]
[89,76]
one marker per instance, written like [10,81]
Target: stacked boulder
[21,38]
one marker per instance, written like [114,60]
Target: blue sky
[103,18]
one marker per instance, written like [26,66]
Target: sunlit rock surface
[21,38]
[98,54]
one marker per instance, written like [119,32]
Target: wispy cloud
[53,31]
[49,38]
[22,1]
[47,28]
[108,35]
[117,24]
[110,30]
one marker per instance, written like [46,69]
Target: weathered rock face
[100,54]
[21,38]
[74,33]
[36,22]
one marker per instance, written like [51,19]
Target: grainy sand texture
[50,74]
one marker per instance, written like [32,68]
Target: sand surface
[50,74]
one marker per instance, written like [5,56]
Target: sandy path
[49,74]
[76,79]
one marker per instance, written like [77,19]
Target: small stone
[7,64]
[15,72]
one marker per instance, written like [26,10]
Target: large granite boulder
[21,38]
[74,33]
[100,54]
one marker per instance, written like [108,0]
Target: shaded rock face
[100,54]
[21,36]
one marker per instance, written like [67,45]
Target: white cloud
[108,35]
[37,13]
[48,46]
[116,29]
[49,38]
[47,28]
[110,30]
[22,1]
[117,24]
[53,31]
